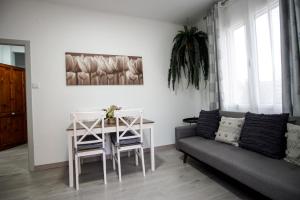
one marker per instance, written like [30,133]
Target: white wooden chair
[88,142]
[129,139]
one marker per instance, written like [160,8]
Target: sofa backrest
[294,120]
[232,114]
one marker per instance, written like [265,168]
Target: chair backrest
[129,118]
[87,122]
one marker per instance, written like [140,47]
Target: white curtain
[249,58]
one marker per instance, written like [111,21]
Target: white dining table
[108,128]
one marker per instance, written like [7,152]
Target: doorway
[15,101]
[13,130]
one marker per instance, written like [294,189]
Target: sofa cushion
[265,134]
[208,124]
[274,178]
[229,130]
[293,144]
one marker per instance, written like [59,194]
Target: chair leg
[76,173]
[113,157]
[79,165]
[136,157]
[104,167]
[128,153]
[142,160]
[119,165]
[185,156]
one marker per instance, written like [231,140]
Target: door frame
[26,44]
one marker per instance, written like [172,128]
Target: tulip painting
[99,69]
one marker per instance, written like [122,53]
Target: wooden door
[5,107]
[13,130]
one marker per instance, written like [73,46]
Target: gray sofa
[276,179]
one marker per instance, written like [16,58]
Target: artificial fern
[190,55]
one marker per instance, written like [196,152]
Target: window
[251,72]
[240,67]
[275,30]
[268,57]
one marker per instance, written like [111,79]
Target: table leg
[152,149]
[70,151]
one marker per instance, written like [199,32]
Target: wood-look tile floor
[172,180]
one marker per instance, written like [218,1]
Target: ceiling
[174,11]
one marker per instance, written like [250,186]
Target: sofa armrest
[184,131]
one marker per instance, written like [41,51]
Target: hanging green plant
[190,55]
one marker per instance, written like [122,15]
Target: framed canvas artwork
[101,69]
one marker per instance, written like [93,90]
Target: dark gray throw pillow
[265,134]
[208,124]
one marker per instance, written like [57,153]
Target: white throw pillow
[229,130]
[293,144]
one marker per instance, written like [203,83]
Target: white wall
[54,30]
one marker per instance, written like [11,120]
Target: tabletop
[106,124]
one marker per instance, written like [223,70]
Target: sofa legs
[185,156]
